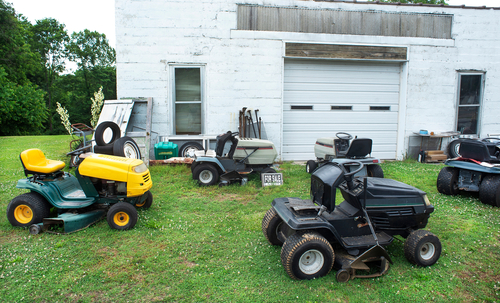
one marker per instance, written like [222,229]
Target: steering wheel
[343,136]
[347,173]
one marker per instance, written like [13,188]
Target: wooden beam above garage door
[335,51]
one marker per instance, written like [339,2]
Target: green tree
[22,108]
[18,61]
[49,39]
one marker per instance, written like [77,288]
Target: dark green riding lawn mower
[59,202]
[477,169]
[317,235]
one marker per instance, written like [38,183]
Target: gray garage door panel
[370,90]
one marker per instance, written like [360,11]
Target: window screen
[188,100]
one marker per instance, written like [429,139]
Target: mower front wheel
[146,204]
[422,248]
[270,226]
[311,165]
[447,181]
[307,256]
[122,216]
[27,209]
[375,170]
[489,190]
[206,174]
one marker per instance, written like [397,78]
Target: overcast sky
[99,15]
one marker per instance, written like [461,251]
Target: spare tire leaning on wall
[101,129]
[117,145]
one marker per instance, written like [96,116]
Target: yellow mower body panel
[132,171]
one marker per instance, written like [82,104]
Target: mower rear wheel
[447,181]
[307,256]
[311,166]
[489,190]
[422,248]
[146,204]
[122,216]
[374,170]
[27,209]
[270,226]
[206,174]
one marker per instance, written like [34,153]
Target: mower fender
[51,192]
[473,166]
[296,222]
[215,161]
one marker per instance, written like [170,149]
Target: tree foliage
[22,108]
[33,76]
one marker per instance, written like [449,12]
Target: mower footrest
[366,240]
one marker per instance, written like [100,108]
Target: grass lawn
[205,244]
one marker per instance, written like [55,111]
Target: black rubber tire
[105,150]
[489,190]
[189,146]
[270,226]
[311,165]
[343,276]
[304,248]
[375,170]
[447,181]
[35,208]
[126,147]
[453,148]
[422,248]
[268,170]
[209,174]
[147,203]
[122,216]
[101,128]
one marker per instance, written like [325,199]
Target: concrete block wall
[244,68]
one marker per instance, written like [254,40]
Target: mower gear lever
[321,210]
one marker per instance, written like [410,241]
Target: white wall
[245,68]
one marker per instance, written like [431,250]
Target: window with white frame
[469,102]
[188,99]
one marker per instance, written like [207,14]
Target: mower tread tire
[307,255]
[311,165]
[375,170]
[122,216]
[147,203]
[186,147]
[422,248]
[206,174]
[453,148]
[27,209]
[126,147]
[489,190]
[270,225]
[101,128]
[268,170]
[447,181]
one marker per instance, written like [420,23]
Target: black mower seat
[477,150]
[359,148]
[34,162]
[221,143]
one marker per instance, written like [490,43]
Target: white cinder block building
[312,68]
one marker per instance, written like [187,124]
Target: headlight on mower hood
[140,168]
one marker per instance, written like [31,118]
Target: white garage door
[323,97]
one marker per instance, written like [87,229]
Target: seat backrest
[34,162]
[221,143]
[473,149]
[359,148]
